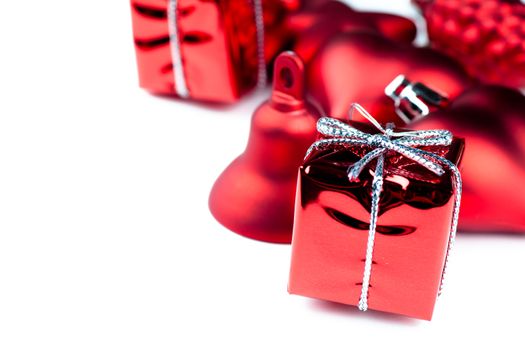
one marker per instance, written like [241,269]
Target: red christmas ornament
[207,50]
[255,195]
[333,216]
[492,120]
[356,67]
[487,36]
[320,20]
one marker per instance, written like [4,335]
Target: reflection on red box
[331,230]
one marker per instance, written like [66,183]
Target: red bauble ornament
[487,36]
[320,20]
[492,120]
[356,67]
[206,50]
[255,195]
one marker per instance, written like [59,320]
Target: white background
[106,241]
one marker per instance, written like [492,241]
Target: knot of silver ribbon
[404,143]
[181,87]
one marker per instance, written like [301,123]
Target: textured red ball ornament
[320,20]
[356,67]
[487,36]
[492,120]
[255,195]
[207,50]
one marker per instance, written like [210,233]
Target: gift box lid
[405,181]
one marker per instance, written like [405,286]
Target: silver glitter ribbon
[179,78]
[404,143]
[259,28]
[181,87]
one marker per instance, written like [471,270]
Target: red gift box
[205,50]
[413,231]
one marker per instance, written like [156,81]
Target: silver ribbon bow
[404,143]
[181,88]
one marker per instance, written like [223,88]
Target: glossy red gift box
[216,42]
[331,225]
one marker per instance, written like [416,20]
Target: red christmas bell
[356,67]
[255,195]
[492,120]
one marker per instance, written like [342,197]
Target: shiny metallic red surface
[356,67]
[218,45]
[320,20]
[331,229]
[254,196]
[486,36]
[492,120]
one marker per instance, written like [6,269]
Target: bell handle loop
[288,77]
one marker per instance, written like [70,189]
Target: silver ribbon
[259,28]
[181,87]
[179,78]
[404,143]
